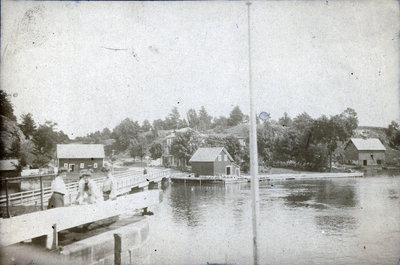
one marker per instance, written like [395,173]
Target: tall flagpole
[253,152]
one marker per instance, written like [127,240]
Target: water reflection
[336,224]
[320,194]
[301,222]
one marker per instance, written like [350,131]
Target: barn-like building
[76,157]
[213,161]
[365,152]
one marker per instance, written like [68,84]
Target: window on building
[364,162]
[225,158]
[219,158]
[95,165]
[82,165]
[379,162]
[66,165]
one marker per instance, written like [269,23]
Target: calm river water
[334,221]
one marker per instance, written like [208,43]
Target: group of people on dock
[88,191]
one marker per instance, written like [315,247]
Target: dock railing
[40,196]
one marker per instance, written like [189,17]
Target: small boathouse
[365,152]
[213,161]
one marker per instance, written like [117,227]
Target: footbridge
[127,182]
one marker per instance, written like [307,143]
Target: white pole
[253,152]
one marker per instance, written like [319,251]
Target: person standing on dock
[59,189]
[88,192]
[109,186]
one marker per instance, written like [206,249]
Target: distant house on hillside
[76,157]
[365,152]
[167,158]
[214,161]
[8,168]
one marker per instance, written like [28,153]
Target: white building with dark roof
[365,152]
[76,157]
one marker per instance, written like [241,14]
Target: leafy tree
[16,152]
[6,108]
[220,123]
[138,149]
[45,137]
[236,116]
[172,121]
[285,120]
[62,138]
[156,150]
[159,124]
[192,118]
[329,131]
[45,140]
[27,125]
[204,119]
[105,134]
[184,145]
[393,133]
[125,134]
[265,142]
[182,124]
[146,126]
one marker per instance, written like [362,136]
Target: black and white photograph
[200,132]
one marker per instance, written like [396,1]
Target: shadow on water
[188,201]
[320,194]
[336,224]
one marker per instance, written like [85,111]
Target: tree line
[32,144]
[139,139]
[302,142]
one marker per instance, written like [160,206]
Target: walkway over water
[48,223]
[126,180]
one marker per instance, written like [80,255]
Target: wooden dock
[190,178]
[46,224]
[317,175]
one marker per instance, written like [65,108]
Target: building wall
[220,166]
[372,157]
[351,152]
[203,168]
[88,163]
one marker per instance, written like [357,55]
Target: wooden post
[117,249]
[7,200]
[253,151]
[41,193]
[55,237]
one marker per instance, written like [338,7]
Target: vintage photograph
[200,132]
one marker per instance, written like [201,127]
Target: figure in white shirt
[109,186]
[88,192]
[59,189]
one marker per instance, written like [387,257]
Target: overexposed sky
[89,65]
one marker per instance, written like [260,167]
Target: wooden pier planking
[263,177]
[33,225]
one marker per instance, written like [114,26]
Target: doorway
[228,170]
[71,167]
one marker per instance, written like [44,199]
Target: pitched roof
[371,144]
[208,154]
[80,151]
[9,164]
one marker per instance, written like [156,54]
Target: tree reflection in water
[330,197]
[320,194]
